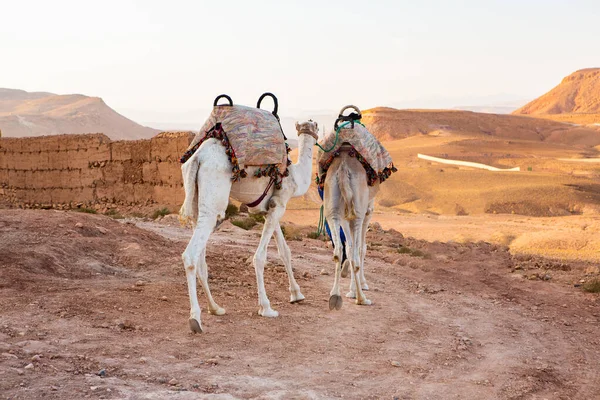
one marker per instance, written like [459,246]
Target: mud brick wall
[90,170]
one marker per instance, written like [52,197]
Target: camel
[348,201]
[208,188]
[352,164]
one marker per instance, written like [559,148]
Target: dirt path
[99,310]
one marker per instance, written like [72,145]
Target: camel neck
[303,167]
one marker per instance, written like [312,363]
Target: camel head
[308,128]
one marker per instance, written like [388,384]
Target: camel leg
[356,227]
[260,257]
[214,185]
[202,274]
[335,298]
[349,253]
[286,257]
[365,227]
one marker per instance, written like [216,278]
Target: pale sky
[172,56]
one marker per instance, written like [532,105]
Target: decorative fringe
[372,176]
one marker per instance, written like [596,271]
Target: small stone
[79,225]
[396,363]
[164,298]
[212,361]
[102,230]
[173,382]
[29,366]
[143,359]
[9,355]
[324,272]
[93,388]
[140,263]
[102,372]
[54,388]
[20,371]
[306,274]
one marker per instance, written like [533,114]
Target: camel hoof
[345,268]
[365,287]
[269,313]
[365,302]
[217,311]
[351,295]
[195,325]
[335,301]
[296,298]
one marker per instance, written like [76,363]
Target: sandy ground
[91,307]
[575,237]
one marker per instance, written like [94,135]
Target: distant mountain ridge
[40,113]
[392,124]
[576,99]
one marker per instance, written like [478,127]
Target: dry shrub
[245,223]
[592,286]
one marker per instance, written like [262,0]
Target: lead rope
[337,135]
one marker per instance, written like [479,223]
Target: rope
[337,135]
[321,225]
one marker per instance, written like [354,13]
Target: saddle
[251,137]
[350,135]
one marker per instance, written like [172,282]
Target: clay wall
[91,170]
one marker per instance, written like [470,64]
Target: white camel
[208,187]
[348,201]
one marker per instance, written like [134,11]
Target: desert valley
[485,283]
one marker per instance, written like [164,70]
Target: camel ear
[297,126]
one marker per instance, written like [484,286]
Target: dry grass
[592,286]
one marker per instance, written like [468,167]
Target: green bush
[160,213]
[313,235]
[411,252]
[592,286]
[113,213]
[258,218]
[244,223]
[231,211]
[86,210]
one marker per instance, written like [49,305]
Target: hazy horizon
[148,59]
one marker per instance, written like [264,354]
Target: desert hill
[39,113]
[576,99]
[558,164]
[391,124]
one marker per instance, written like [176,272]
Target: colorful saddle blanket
[372,155]
[251,136]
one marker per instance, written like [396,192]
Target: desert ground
[93,307]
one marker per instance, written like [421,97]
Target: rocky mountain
[38,113]
[576,99]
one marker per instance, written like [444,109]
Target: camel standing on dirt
[208,187]
[348,201]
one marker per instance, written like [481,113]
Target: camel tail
[346,191]
[189,210]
